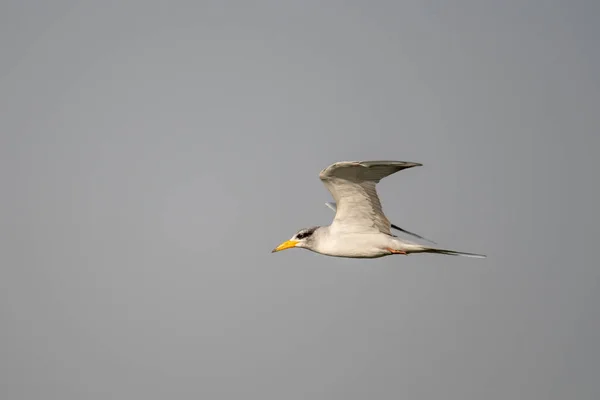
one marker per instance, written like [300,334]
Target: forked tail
[452,253]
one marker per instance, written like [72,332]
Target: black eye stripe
[304,234]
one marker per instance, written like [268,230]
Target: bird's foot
[396,251]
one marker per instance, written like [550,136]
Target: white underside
[360,245]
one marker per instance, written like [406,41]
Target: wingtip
[404,164]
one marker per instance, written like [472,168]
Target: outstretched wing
[332,206]
[352,185]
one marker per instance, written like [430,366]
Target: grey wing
[333,207]
[352,185]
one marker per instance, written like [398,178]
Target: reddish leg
[396,251]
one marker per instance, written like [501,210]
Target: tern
[359,229]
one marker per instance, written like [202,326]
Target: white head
[303,239]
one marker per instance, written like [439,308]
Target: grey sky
[153,153]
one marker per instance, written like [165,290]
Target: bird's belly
[356,246]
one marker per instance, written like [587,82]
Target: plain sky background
[152,154]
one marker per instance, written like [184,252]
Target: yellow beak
[288,244]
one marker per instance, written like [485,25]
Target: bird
[360,228]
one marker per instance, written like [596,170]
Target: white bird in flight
[360,229]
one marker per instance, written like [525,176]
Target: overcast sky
[152,154]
